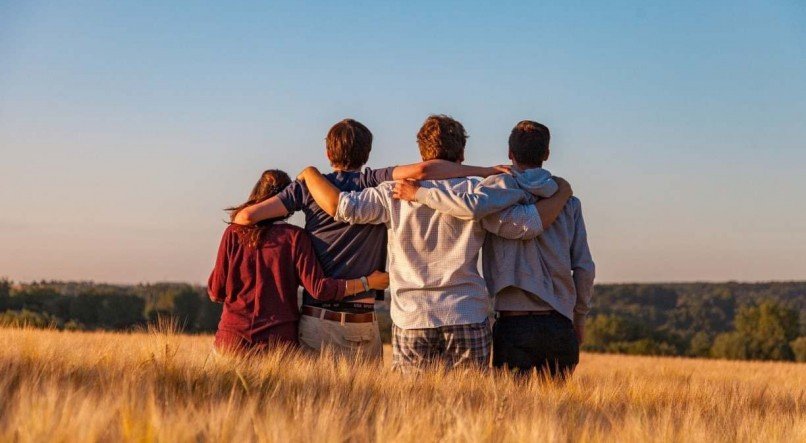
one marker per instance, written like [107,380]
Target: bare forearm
[550,208]
[375,281]
[439,170]
[323,192]
[268,209]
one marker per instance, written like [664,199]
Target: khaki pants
[361,340]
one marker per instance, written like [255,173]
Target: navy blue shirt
[345,251]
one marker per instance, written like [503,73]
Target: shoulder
[500,181]
[373,177]
[285,232]
[383,188]
[574,204]
[232,229]
[386,186]
[458,184]
[291,194]
[379,171]
[232,234]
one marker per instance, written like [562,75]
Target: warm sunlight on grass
[160,386]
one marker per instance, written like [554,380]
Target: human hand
[305,172]
[405,190]
[378,280]
[498,169]
[579,330]
[563,187]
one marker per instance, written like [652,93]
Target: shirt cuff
[343,208]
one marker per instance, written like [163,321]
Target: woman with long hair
[258,271]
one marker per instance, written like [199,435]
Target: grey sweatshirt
[555,268]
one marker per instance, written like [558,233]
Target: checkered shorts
[451,346]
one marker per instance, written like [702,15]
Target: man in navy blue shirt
[348,251]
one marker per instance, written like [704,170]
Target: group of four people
[430,220]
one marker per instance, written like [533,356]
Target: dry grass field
[161,386]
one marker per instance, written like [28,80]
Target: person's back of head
[441,137]
[529,144]
[271,182]
[348,144]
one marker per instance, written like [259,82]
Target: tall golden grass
[163,386]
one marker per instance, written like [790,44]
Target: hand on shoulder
[405,190]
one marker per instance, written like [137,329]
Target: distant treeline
[90,306]
[756,321]
[760,321]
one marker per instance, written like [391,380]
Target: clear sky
[125,127]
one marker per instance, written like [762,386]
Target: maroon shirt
[258,285]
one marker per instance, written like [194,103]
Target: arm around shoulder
[265,210]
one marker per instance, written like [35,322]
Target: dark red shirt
[258,285]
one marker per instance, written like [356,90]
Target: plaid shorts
[451,346]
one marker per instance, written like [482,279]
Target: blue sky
[125,127]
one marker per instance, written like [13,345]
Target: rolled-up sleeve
[367,207]
[582,266]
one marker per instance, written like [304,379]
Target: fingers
[563,185]
[404,190]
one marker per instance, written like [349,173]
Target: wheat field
[164,386]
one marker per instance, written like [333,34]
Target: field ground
[160,386]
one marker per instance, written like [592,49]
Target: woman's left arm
[217,283]
[326,288]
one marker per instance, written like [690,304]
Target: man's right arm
[443,169]
[358,208]
[499,208]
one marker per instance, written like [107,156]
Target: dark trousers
[546,343]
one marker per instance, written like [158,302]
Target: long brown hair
[270,184]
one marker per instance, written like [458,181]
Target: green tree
[763,332]
[730,345]
[119,311]
[798,346]
[700,345]
[209,315]
[5,293]
[83,309]
[26,318]
[186,306]
[604,330]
